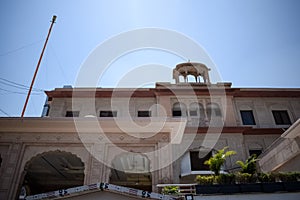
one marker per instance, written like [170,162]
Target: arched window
[196,110]
[213,110]
[179,109]
[51,171]
[191,79]
[181,79]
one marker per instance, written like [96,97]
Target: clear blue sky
[254,43]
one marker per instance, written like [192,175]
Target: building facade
[140,137]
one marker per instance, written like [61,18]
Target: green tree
[249,166]
[218,159]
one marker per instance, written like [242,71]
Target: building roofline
[245,130]
[165,89]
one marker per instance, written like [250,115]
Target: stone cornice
[88,125]
[171,91]
[93,125]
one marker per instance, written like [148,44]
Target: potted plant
[248,182]
[290,181]
[215,163]
[205,180]
[266,177]
[170,190]
[244,178]
[227,183]
[249,166]
[268,182]
[289,176]
[218,159]
[206,185]
[225,179]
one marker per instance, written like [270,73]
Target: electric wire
[23,89]
[18,85]
[20,48]
[57,60]
[4,112]
[15,92]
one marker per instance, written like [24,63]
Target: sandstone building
[141,137]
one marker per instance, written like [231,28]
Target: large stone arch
[131,169]
[33,152]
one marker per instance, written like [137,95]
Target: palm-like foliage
[249,166]
[218,159]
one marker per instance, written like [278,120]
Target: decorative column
[97,167]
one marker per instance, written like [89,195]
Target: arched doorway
[51,171]
[131,170]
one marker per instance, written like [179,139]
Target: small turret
[197,70]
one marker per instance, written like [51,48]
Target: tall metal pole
[38,65]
